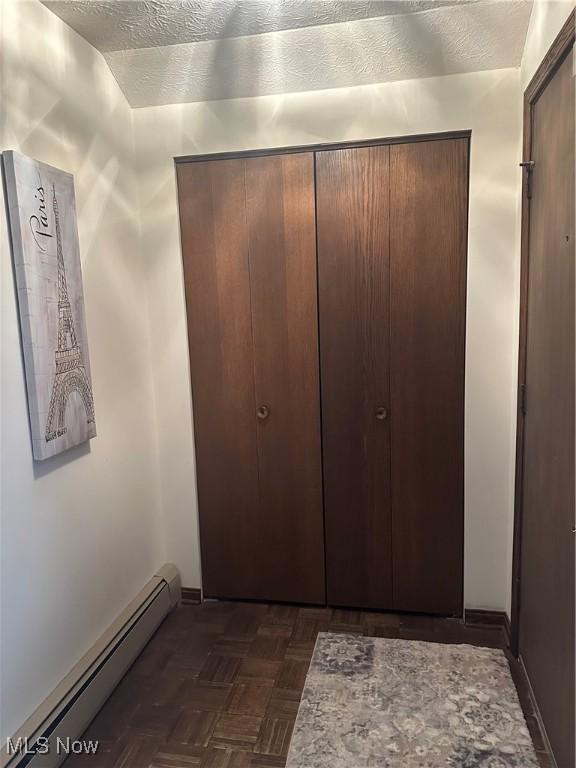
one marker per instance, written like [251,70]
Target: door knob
[381,414]
[262,412]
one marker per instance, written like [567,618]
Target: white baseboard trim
[43,740]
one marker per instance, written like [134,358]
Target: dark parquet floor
[219,684]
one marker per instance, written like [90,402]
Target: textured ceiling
[172,51]
[118,25]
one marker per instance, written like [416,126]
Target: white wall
[486,102]
[80,532]
[546,21]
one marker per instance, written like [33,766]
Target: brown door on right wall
[546,628]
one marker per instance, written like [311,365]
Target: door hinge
[528,166]
[523,399]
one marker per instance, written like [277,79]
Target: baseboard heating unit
[45,738]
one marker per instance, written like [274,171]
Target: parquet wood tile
[210,624]
[317,613]
[152,660]
[219,684]
[242,627]
[249,699]
[197,640]
[237,648]
[239,759]
[306,630]
[300,651]
[381,624]
[391,632]
[292,675]
[283,704]
[236,731]
[373,619]
[204,696]
[274,736]
[167,686]
[275,630]
[258,670]
[267,761]
[346,619]
[220,669]
[194,727]
[271,648]
[155,720]
[134,752]
[216,757]
[282,614]
[176,755]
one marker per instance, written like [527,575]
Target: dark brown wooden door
[215,255]
[546,630]
[353,271]
[248,243]
[428,229]
[289,540]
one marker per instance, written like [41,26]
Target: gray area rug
[407,704]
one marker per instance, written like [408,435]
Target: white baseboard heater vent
[43,740]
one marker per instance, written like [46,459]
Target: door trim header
[244,153]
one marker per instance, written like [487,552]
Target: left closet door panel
[282,256]
[215,257]
[248,243]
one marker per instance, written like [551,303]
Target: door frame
[545,72]
[355,144]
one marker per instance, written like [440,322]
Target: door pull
[262,412]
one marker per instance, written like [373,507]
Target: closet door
[428,202]
[289,539]
[215,255]
[353,272]
[248,242]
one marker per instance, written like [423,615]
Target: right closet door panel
[353,272]
[428,230]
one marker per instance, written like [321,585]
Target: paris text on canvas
[42,215]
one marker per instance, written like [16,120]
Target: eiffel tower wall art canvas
[44,234]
